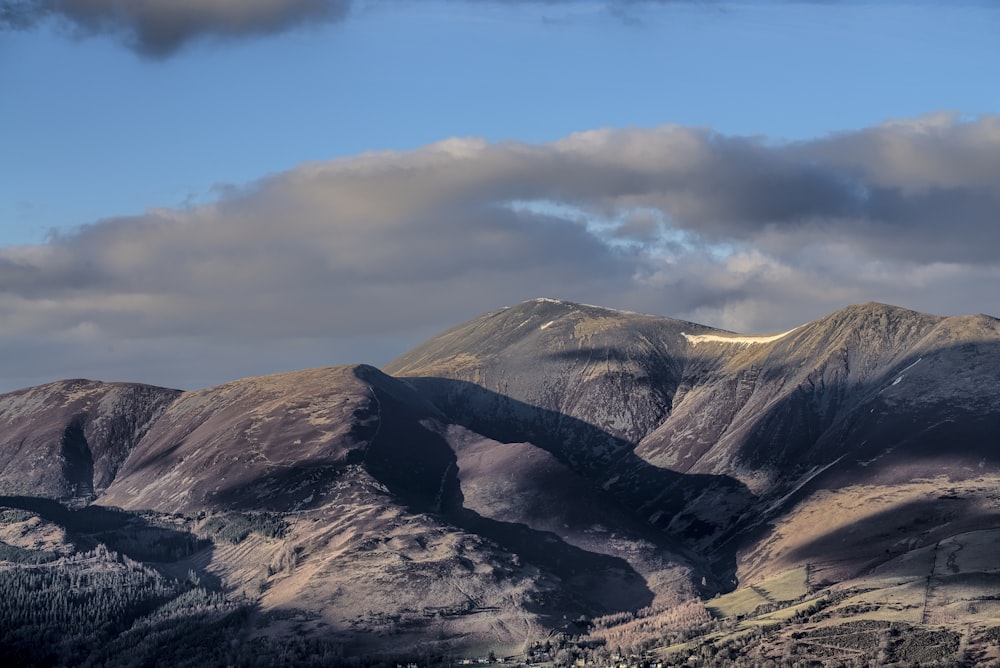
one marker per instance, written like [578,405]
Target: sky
[195,191]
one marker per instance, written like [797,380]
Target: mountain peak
[577,306]
[891,325]
[877,309]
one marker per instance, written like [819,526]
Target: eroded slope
[70,438]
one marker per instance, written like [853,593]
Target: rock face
[541,462]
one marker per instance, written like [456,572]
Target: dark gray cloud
[364,255]
[160,27]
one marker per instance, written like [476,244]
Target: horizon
[693,339]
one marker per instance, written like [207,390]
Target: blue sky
[127,138]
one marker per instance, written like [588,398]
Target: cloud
[159,28]
[358,258]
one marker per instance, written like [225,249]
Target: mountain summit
[540,464]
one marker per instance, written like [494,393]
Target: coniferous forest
[105,594]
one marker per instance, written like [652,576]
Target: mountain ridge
[541,463]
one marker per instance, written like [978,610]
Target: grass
[786,613]
[977,551]
[901,603]
[914,607]
[736,604]
[787,586]
[964,588]
[967,586]
[976,610]
[915,563]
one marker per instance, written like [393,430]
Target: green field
[788,586]
[736,604]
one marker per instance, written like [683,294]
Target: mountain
[545,471]
[394,521]
[662,412]
[281,442]
[71,437]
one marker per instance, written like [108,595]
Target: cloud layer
[160,27]
[357,258]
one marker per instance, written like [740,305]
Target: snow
[546,325]
[815,471]
[902,373]
[875,458]
[695,339]
[547,300]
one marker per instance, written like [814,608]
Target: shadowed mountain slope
[544,463]
[277,442]
[712,432]
[70,438]
[394,509]
[613,370]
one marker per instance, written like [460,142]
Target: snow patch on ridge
[695,339]
[549,300]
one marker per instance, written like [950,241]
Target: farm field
[934,603]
